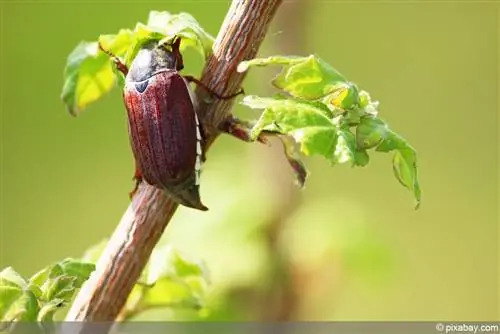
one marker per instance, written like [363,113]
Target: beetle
[165,133]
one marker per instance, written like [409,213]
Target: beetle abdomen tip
[189,197]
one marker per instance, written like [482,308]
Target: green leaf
[18,300]
[289,115]
[9,277]
[370,132]
[405,168]
[36,290]
[78,269]
[165,26]
[343,96]
[325,127]
[361,158]
[166,262]
[41,277]
[273,60]
[171,293]
[118,44]
[374,132]
[20,305]
[61,287]
[48,310]
[345,149]
[392,141]
[309,125]
[87,77]
[169,280]
[8,296]
[304,77]
[306,123]
[320,140]
[38,298]
[185,26]
[60,280]
[142,35]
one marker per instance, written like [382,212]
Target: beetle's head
[172,48]
[156,56]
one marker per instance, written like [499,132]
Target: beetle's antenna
[119,64]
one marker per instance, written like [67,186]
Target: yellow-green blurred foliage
[354,248]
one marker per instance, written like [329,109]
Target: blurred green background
[348,247]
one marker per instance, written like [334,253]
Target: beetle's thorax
[151,60]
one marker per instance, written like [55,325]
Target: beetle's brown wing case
[162,130]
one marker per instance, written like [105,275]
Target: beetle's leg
[119,64]
[220,97]
[241,130]
[138,179]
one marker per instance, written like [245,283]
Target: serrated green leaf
[61,287]
[345,150]
[166,262]
[198,285]
[117,44]
[328,133]
[304,77]
[169,280]
[24,308]
[60,280]
[36,290]
[188,28]
[22,301]
[392,141]
[142,35]
[309,125]
[319,140]
[87,77]
[273,60]
[370,132]
[41,277]
[168,293]
[343,95]
[404,159]
[78,269]
[165,26]
[9,277]
[159,20]
[8,297]
[367,105]
[289,115]
[405,169]
[56,270]
[49,309]
[361,158]
[311,79]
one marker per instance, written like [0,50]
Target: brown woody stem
[103,296]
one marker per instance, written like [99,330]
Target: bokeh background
[348,247]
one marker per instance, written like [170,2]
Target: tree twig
[106,292]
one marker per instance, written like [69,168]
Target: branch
[106,292]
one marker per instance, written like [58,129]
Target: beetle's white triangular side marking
[192,97]
[197,167]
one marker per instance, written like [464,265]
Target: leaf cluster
[329,116]
[170,279]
